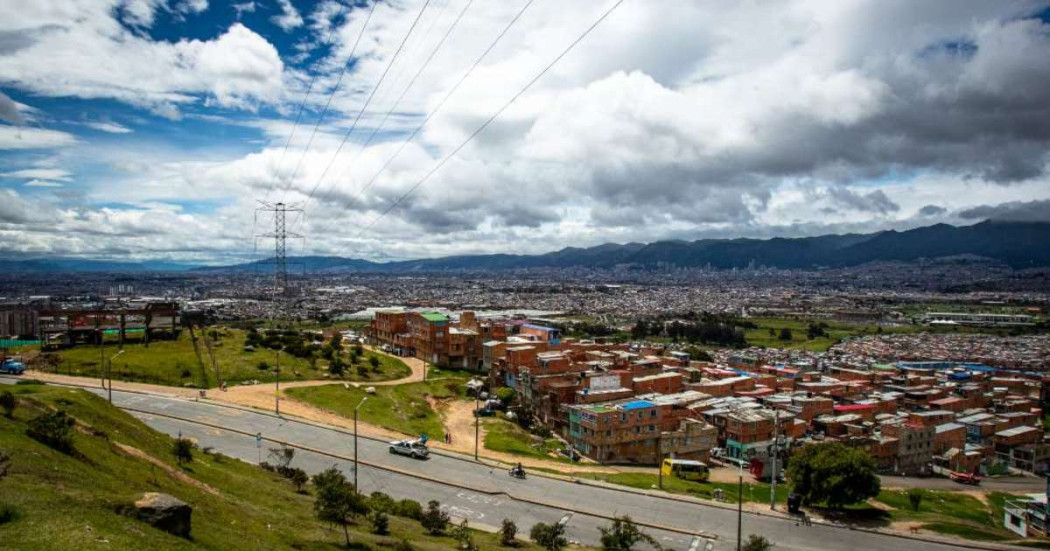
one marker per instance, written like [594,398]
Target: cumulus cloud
[239,68]
[289,17]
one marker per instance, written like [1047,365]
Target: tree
[623,534]
[380,523]
[374,362]
[434,520]
[465,537]
[54,430]
[358,349]
[915,496]
[549,536]
[182,449]
[337,342]
[757,543]
[337,500]
[8,402]
[508,532]
[379,501]
[785,334]
[505,395]
[299,478]
[336,367]
[833,474]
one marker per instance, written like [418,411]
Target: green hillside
[54,500]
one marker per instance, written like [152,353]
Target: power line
[397,102]
[492,118]
[441,103]
[338,83]
[367,102]
[302,105]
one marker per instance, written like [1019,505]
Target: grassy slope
[164,362]
[835,333]
[403,408]
[507,437]
[67,502]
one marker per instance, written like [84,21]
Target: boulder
[165,512]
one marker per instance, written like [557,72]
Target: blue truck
[12,366]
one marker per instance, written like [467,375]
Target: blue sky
[134,129]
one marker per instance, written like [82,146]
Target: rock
[165,512]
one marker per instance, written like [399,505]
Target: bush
[299,478]
[508,532]
[262,365]
[434,520]
[505,395]
[373,361]
[403,545]
[623,534]
[8,402]
[379,501]
[915,496]
[757,543]
[54,430]
[380,523]
[8,513]
[549,536]
[182,449]
[409,508]
[362,370]
[464,537]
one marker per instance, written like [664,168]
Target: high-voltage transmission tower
[281,290]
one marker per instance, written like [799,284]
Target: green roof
[434,316]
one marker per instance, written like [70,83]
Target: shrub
[757,543]
[506,395]
[182,449]
[434,520]
[549,536]
[8,513]
[54,430]
[915,496]
[409,508]
[508,532]
[362,370]
[374,362]
[8,402]
[379,501]
[464,537]
[299,478]
[380,523]
[262,365]
[623,534]
[403,545]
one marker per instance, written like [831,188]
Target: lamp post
[109,374]
[355,440]
[477,419]
[277,386]
[740,507]
[776,458]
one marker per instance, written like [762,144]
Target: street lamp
[355,441]
[477,419]
[109,373]
[740,507]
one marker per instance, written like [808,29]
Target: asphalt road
[485,495]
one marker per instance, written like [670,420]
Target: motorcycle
[518,473]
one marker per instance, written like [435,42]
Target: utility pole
[356,487]
[740,509]
[477,420]
[776,457]
[277,385]
[102,357]
[109,374]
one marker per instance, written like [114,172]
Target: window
[652,428]
[652,413]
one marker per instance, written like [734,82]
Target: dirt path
[175,473]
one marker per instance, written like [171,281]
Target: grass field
[762,336]
[752,491]
[402,408]
[174,362]
[507,437]
[72,501]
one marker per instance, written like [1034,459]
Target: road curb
[435,480]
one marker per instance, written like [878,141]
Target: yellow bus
[686,469]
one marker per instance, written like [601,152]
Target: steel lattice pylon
[281,290]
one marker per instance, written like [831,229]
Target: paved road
[1028,484]
[486,496]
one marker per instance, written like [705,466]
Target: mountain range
[1017,244]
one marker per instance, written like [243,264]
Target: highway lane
[556,494]
[486,495]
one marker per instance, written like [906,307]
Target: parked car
[12,366]
[412,448]
[484,412]
[965,478]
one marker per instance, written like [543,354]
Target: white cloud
[110,127]
[42,173]
[12,137]
[42,183]
[64,41]
[289,17]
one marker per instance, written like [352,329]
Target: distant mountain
[1017,244]
[61,265]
